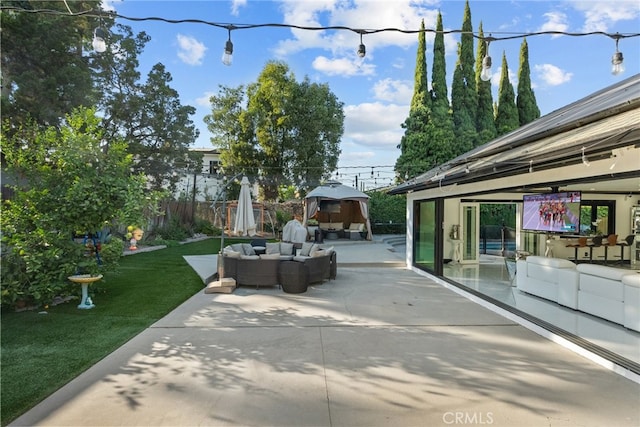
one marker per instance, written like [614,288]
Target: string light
[617,65]
[617,60]
[485,75]
[362,50]
[227,54]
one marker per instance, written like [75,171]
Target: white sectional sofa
[607,292]
[631,291]
[554,279]
[601,291]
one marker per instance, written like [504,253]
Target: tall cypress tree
[441,137]
[413,151]
[485,124]
[507,115]
[528,109]
[464,99]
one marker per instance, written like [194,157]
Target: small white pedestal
[85,280]
[457,253]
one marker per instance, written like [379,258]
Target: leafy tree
[528,109]
[440,136]
[485,123]
[164,132]
[507,113]
[285,132]
[45,68]
[464,98]
[69,183]
[149,115]
[413,159]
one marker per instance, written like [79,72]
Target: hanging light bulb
[99,44]
[362,50]
[227,55]
[617,61]
[485,75]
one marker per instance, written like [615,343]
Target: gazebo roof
[333,190]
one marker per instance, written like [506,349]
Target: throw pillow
[270,256]
[248,249]
[306,248]
[232,254]
[329,250]
[314,248]
[286,248]
[249,257]
[355,226]
[318,253]
[273,248]
[237,247]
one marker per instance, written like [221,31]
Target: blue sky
[376,91]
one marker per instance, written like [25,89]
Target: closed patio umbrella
[245,222]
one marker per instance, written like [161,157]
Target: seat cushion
[603,271]
[550,262]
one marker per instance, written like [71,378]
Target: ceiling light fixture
[617,61]
[585,161]
[485,75]
[99,36]
[227,54]
[530,166]
[362,50]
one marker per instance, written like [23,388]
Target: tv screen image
[552,212]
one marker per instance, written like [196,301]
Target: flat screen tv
[552,212]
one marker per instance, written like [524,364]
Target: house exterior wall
[206,182]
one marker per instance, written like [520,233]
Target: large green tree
[464,98]
[507,113]
[46,61]
[413,160]
[281,131]
[528,109]
[147,113]
[485,123]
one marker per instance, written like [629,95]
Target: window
[213,167]
[597,217]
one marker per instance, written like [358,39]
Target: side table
[294,277]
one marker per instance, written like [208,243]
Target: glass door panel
[425,235]
[470,220]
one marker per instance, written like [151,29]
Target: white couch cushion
[550,262]
[603,271]
[632,279]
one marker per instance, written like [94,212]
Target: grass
[43,352]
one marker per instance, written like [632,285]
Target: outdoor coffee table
[332,234]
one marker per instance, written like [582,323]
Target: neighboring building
[207,180]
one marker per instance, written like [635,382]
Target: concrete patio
[378,346]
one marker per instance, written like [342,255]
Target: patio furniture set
[281,264]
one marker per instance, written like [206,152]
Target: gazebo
[335,202]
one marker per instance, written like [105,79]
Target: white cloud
[343,66]
[375,125]
[552,75]
[190,50]
[397,91]
[203,101]
[110,5]
[402,14]
[236,5]
[601,15]
[555,21]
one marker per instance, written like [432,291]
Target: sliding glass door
[427,247]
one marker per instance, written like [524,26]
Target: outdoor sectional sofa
[248,268]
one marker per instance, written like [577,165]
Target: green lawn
[42,352]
